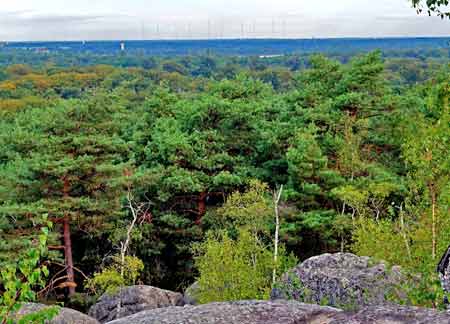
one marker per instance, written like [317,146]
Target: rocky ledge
[248,312]
[284,312]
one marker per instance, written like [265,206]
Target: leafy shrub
[112,277]
[387,240]
[19,280]
[235,269]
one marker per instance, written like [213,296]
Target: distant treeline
[246,47]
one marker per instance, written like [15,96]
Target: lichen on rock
[341,280]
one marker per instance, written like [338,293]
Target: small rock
[190,294]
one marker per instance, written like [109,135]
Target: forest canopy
[145,171]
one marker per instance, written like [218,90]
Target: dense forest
[136,169]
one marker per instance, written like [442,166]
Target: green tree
[417,231]
[235,269]
[63,161]
[251,209]
[310,182]
[193,150]
[426,154]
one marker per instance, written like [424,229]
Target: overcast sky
[148,19]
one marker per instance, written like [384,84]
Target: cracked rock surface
[241,312]
[393,314]
[284,312]
[340,280]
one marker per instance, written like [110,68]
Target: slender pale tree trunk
[433,225]
[68,243]
[342,234]
[135,211]
[276,200]
[405,238]
[124,245]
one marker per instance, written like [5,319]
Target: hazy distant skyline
[176,19]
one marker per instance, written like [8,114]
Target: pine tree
[64,162]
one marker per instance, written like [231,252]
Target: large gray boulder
[65,315]
[248,312]
[284,312]
[393,314]
[132,300]
[341,280]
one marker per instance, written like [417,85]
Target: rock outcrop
[357,287]
[248,312]
[284,312]
[340,280]
[393,314]
[65,315]
[132,300]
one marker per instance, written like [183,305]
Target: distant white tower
[142,30]
[189,30]
[122,46]
[209,29]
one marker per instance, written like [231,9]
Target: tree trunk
[68,256]
[433,226]
[68,244]
[342,235]
[201,206]
[405,238]
[276,200]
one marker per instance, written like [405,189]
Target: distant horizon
[235,46]
[224,38]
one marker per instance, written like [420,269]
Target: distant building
[42,50]
[122,46]
[270,56]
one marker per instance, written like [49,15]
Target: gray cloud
[30,25]
[32,17]
[61,19]
[33,25]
